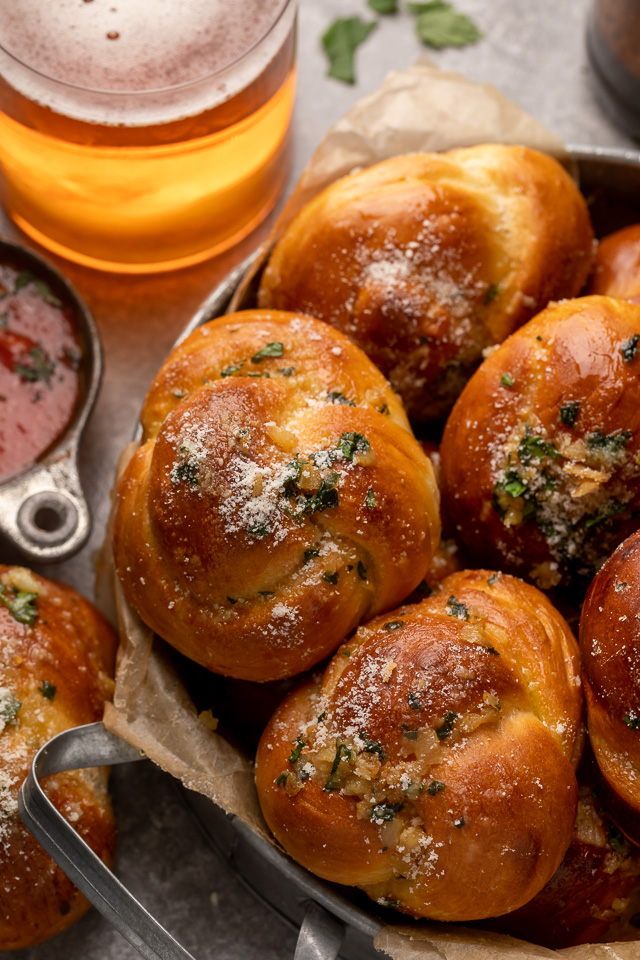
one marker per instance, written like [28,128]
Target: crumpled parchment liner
[419,109]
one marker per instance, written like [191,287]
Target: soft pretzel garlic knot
[616,271]
[426,259]
[278,498]
[56,665]
[433,764]
[610,647]
[540,459]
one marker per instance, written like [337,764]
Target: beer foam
[135,46]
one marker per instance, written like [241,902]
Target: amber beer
[144,136]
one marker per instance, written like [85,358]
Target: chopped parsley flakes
[630,347]
[22,605]
[456,609]
[47,690]
[569,413]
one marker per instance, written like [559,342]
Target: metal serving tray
[334,921]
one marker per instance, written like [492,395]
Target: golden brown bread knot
[594,894]
[56,667]
[278,498]
[610,647]
[432,766]
[540,458]
[425,259]
[617,265]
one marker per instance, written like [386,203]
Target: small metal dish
[43,511]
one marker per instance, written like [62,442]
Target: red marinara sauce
[39,362]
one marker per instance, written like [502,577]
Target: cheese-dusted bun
[540,459]
[277,500]
[56,662]
[433,764]
[425,259]
[594,894]
[617,265]
[610,646]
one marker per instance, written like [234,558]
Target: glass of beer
[144,135]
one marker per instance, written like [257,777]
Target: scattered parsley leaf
[311,552]
[394,625]
[351,443]
[22,606]
[492,579]
[9,707]
[443,731]
[331,577]
[187,472]
[287,371]
[386,811]
[232,368]
[298,744]
[459,823]
[506,380]
[259,530]
[435,787]
[410,733]
[439,25]
[569,413]
[282,779]
[340,42]
[342,753]
[491,294]
[455,608]
[632,722]
[274,349]
[535,447]
[414,700]
[337,397]
[362,570]
[630,347]
[370,499]
[370,746]
[42,367]
[611,442]
[47,690]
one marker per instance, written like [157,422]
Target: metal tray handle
[90,746]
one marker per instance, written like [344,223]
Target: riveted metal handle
[90,746]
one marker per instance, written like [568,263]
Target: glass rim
[156,91]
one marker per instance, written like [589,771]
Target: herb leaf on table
[439,25]
[340,42]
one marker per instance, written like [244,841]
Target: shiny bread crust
[277,500]
[55,673]
[540,458]
[610,647]
[425,259]
[439,746]
[616,270]
[594,894]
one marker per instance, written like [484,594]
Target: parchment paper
[419,109]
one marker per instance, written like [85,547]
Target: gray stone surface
[534,53]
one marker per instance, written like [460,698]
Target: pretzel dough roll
[425,259]
[595,892]
[610,646]
[433,764]
[617,265]
[277,500]
[541,455]
[56,664]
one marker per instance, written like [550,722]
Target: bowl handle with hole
[43,512]
[321,934]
